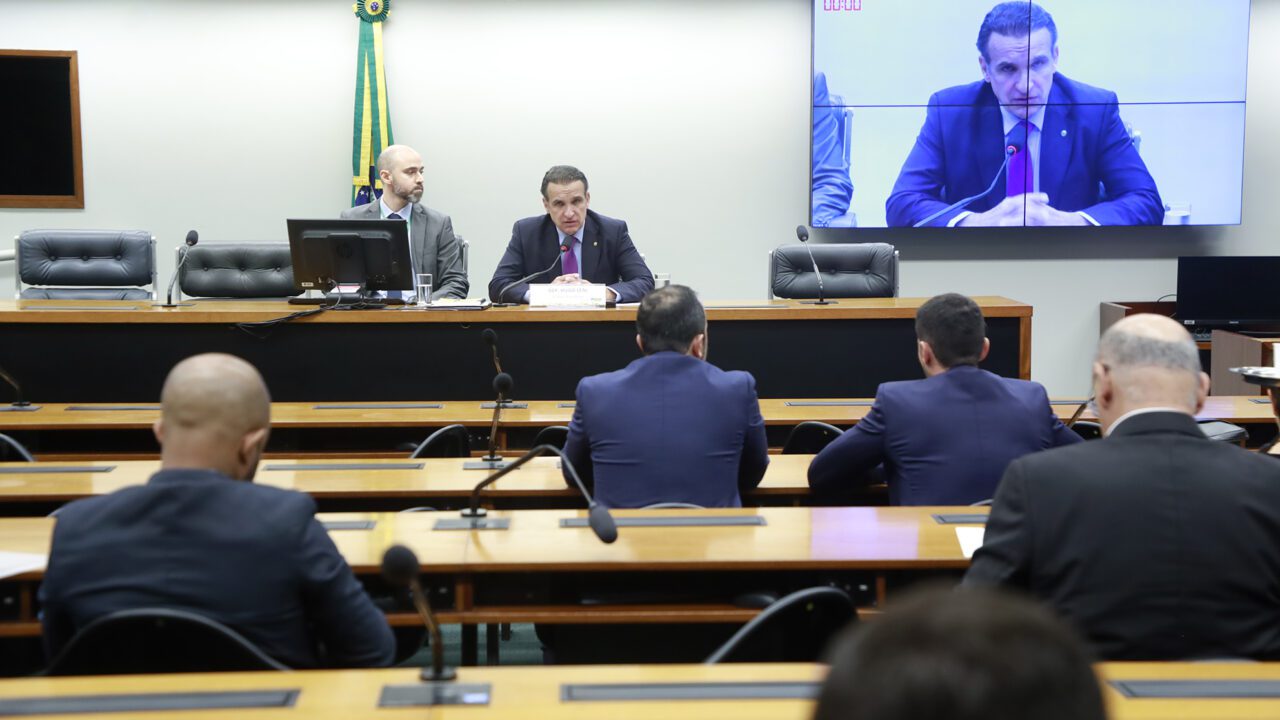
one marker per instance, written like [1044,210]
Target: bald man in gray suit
[434,248]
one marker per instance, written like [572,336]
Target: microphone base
[445,674]
[25,407]
[173,305]
[485,464]
[819,302]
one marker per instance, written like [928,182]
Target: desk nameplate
[690,691]
[435,693]
[332,525]
[1203,689]
[112,408]
[37,469]
[829,403]
[675,521]
[344,466]
[961,518]
[382,406]
[148,702]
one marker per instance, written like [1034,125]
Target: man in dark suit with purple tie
[570,244]
[944,440]
[1074,164]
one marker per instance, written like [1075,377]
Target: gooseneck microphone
[802,234]
[192,238]
[1075,416]
[502,385]
[598,516]
[19,403]
[564,248]
[400,569]
[1017,142]
[491,338]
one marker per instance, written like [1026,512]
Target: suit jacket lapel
[989,142]
[590,248]
[418,236]
[1055,145]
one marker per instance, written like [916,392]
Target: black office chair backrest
[86,264]
[450,441]
[796,628]
[158,640]
[809,437]
[1088,429]
[674,506]
[10,446]
[554,435]
[238,270]
[849,270]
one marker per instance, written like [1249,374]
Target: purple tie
[1021,173]
[570,260]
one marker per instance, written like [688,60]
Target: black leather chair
[796,628]
[238,270]
[449,441]
[553,435]
[849,270]
[158,640]
[809,437]
[85,265]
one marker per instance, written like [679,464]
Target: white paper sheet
[970,537]
[16,563]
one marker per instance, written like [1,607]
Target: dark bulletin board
[40,163]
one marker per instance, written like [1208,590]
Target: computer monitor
[371,254]
[1229,292]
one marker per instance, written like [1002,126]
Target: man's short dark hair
[953,326]
[1015,19]
[971,654]
[669,319]
[563,175]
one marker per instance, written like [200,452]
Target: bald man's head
[215,413]
[401,170]
[1147,361]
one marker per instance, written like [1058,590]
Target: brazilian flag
[372,127]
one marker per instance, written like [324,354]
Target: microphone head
[502,384]
[1017,138]
[192,237]
[399,565]
[489,336]
[802,233]
[602,523]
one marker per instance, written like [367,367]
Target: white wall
[690,117]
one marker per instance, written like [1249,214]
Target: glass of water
[423,289]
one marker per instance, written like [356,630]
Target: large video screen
[977,113]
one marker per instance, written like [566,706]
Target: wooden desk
[120,352]
[535,692]
[96,430]
[440,483]
[540,572]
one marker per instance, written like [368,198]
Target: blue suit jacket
[608,257]
[249,556]
[668,428]
[1083,143]
[944,440]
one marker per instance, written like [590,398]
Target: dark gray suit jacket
[1156,542]
[435,249]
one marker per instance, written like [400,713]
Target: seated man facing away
[969,655]
[1155,542]
[201,537]
[669,427]
[946,439]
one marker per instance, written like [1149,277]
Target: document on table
[16,563]
[970,537]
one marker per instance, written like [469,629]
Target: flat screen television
[1059,112]
[372,254]
[1229,292]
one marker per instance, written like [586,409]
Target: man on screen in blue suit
[669,427]
[947,439]
[1072,161]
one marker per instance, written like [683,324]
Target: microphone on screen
[802,234]
[564,248]
[1017,141]
[400,569]
[599,519]
[183,252]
